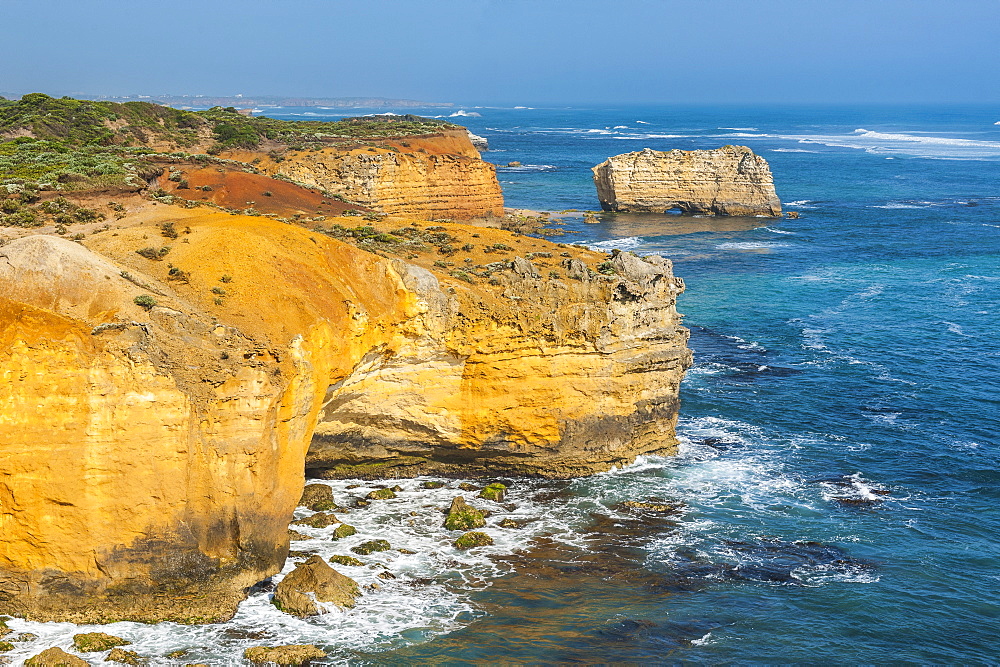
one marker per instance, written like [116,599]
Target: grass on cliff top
[44,140]
[76,122]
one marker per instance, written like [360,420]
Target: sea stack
[731,180]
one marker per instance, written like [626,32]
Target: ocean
[835,497]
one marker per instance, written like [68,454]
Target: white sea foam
[643,122]
[791,150]
[751,245]
[528,167]
[777,231]
[626,243]
[802,203]
[740,129]
[464,113]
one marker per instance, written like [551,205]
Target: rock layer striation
[430,177]
[731,180]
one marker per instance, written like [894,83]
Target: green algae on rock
[473,538]
[89,642]
[345,560]
[55,657]
[495,491]
[317,520]
[381,494]
[291,654]
[318,497]
[463,516]
[343,530]
[371,546]
[124,656]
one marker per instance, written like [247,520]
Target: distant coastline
[262,101]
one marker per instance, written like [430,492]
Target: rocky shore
[170,376]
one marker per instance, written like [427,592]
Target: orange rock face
[150,467]
[150,460]
[441,176]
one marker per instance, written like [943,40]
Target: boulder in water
[317,520]
[463,516]
[311,582]
[495,491]
[125,657]
[318,498]
[291,654]
[473,538]
[55,657]
[97,641]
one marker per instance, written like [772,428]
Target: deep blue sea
[839,475]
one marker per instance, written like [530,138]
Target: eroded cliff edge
[731,180]
[154,458]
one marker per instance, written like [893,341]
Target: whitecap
[740,129]
[464,113]
[751,245]
[643,122]
[791,150]
[626,243]
[777,231]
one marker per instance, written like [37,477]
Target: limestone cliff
[544,376]
[726,181]
[150,460]
[440,176]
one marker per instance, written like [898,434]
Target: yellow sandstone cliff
[427,177]
[731,180]
[150,460]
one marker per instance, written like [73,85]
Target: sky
[510,51]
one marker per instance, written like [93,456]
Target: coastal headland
[199,306]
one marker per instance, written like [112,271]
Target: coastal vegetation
[68,144]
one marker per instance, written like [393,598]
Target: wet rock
[125,657]
[345,560]
[24,637]
[294,553]
[663,508]
[97,641]
[381,494]
[361,502]
[432,484]
[4,629]
[6,646]
[296,535]
[792,215]
[291,654]
[513,163]
[463,516]
[318,497]
[397,488]
[473,538]
[55,657]
[371,546]
[342,531]
[236,633]
[495,492]
[857,502]
[408,552]
[509,523]
[467,486]
[311,582]
[317,520]
[386,575]
[352,486]
[180,653]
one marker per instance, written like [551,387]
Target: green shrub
[144,301]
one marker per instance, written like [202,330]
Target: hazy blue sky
[510,51]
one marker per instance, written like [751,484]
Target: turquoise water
[837,488]
[853,349]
